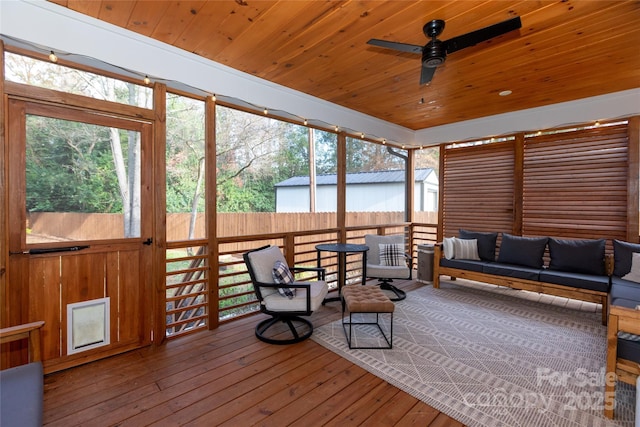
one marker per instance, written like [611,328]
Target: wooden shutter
[575,183]
[478,188]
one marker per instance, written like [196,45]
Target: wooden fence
[55,226]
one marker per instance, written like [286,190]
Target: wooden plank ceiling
[565,50]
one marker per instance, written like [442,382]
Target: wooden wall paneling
[440,230]
[4,243]
[341,182]
[478,188]
[518,170]
[132,313]
[633,181]
[575,183]
[155,255]
[43,300]
[211,211]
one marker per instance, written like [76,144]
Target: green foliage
[69,167]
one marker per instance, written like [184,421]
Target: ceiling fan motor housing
[433,54]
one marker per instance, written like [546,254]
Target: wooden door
[80,230]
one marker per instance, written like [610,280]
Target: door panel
[80,213]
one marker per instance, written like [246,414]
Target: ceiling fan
[435,51]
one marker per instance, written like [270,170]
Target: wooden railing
[188,278]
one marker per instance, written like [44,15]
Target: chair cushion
[577,256]
[622,256]
[527,251]
[486,243]
[392,254]
[21,395]
[466,249]
[629,347]
[298,303]
[283,276]
[262,262]
[464,264]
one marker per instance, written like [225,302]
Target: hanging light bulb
[213,97]
[53,57]
[362,135]
[266,111]
[306,122]
[384,141]
[146,80]
[337,128]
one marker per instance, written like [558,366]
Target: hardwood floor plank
[228,377]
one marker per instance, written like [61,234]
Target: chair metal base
[291,322]
[385,284]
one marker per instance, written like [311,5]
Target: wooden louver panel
[478,188]
[575,184]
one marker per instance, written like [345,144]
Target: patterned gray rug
[490,359]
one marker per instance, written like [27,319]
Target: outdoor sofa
[576,269]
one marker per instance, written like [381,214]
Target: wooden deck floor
[228,377]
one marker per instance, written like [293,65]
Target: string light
[305,122]
[337,128]
[146,80]
[362,135]
[597,123]
[213,97]
[266,111]
[53,57]
[384,141]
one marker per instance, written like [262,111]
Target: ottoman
[368,302]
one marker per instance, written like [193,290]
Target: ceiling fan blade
[402,47]
[426,74]
[481,35]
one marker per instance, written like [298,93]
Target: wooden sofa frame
[587,295]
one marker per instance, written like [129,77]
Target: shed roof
[380,177]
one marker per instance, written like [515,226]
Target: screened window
[185,159]
[48,75]
[82,181]
[375,190]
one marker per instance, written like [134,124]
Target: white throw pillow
[634,274]
[447,247]
[466,249]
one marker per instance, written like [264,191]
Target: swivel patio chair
[387,260]
[283,298]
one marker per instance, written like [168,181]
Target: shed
[381,191]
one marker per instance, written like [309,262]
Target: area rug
[486,358]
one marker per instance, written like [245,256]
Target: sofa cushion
[622,256]
[576,280]
[510,270]
[447,247]
[486,243]
[577,256]
[463,264]
[624,292]
[629,349]
[526,251]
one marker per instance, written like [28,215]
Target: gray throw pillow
[525,251]
[486,243]
[577,256]
[622,253]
